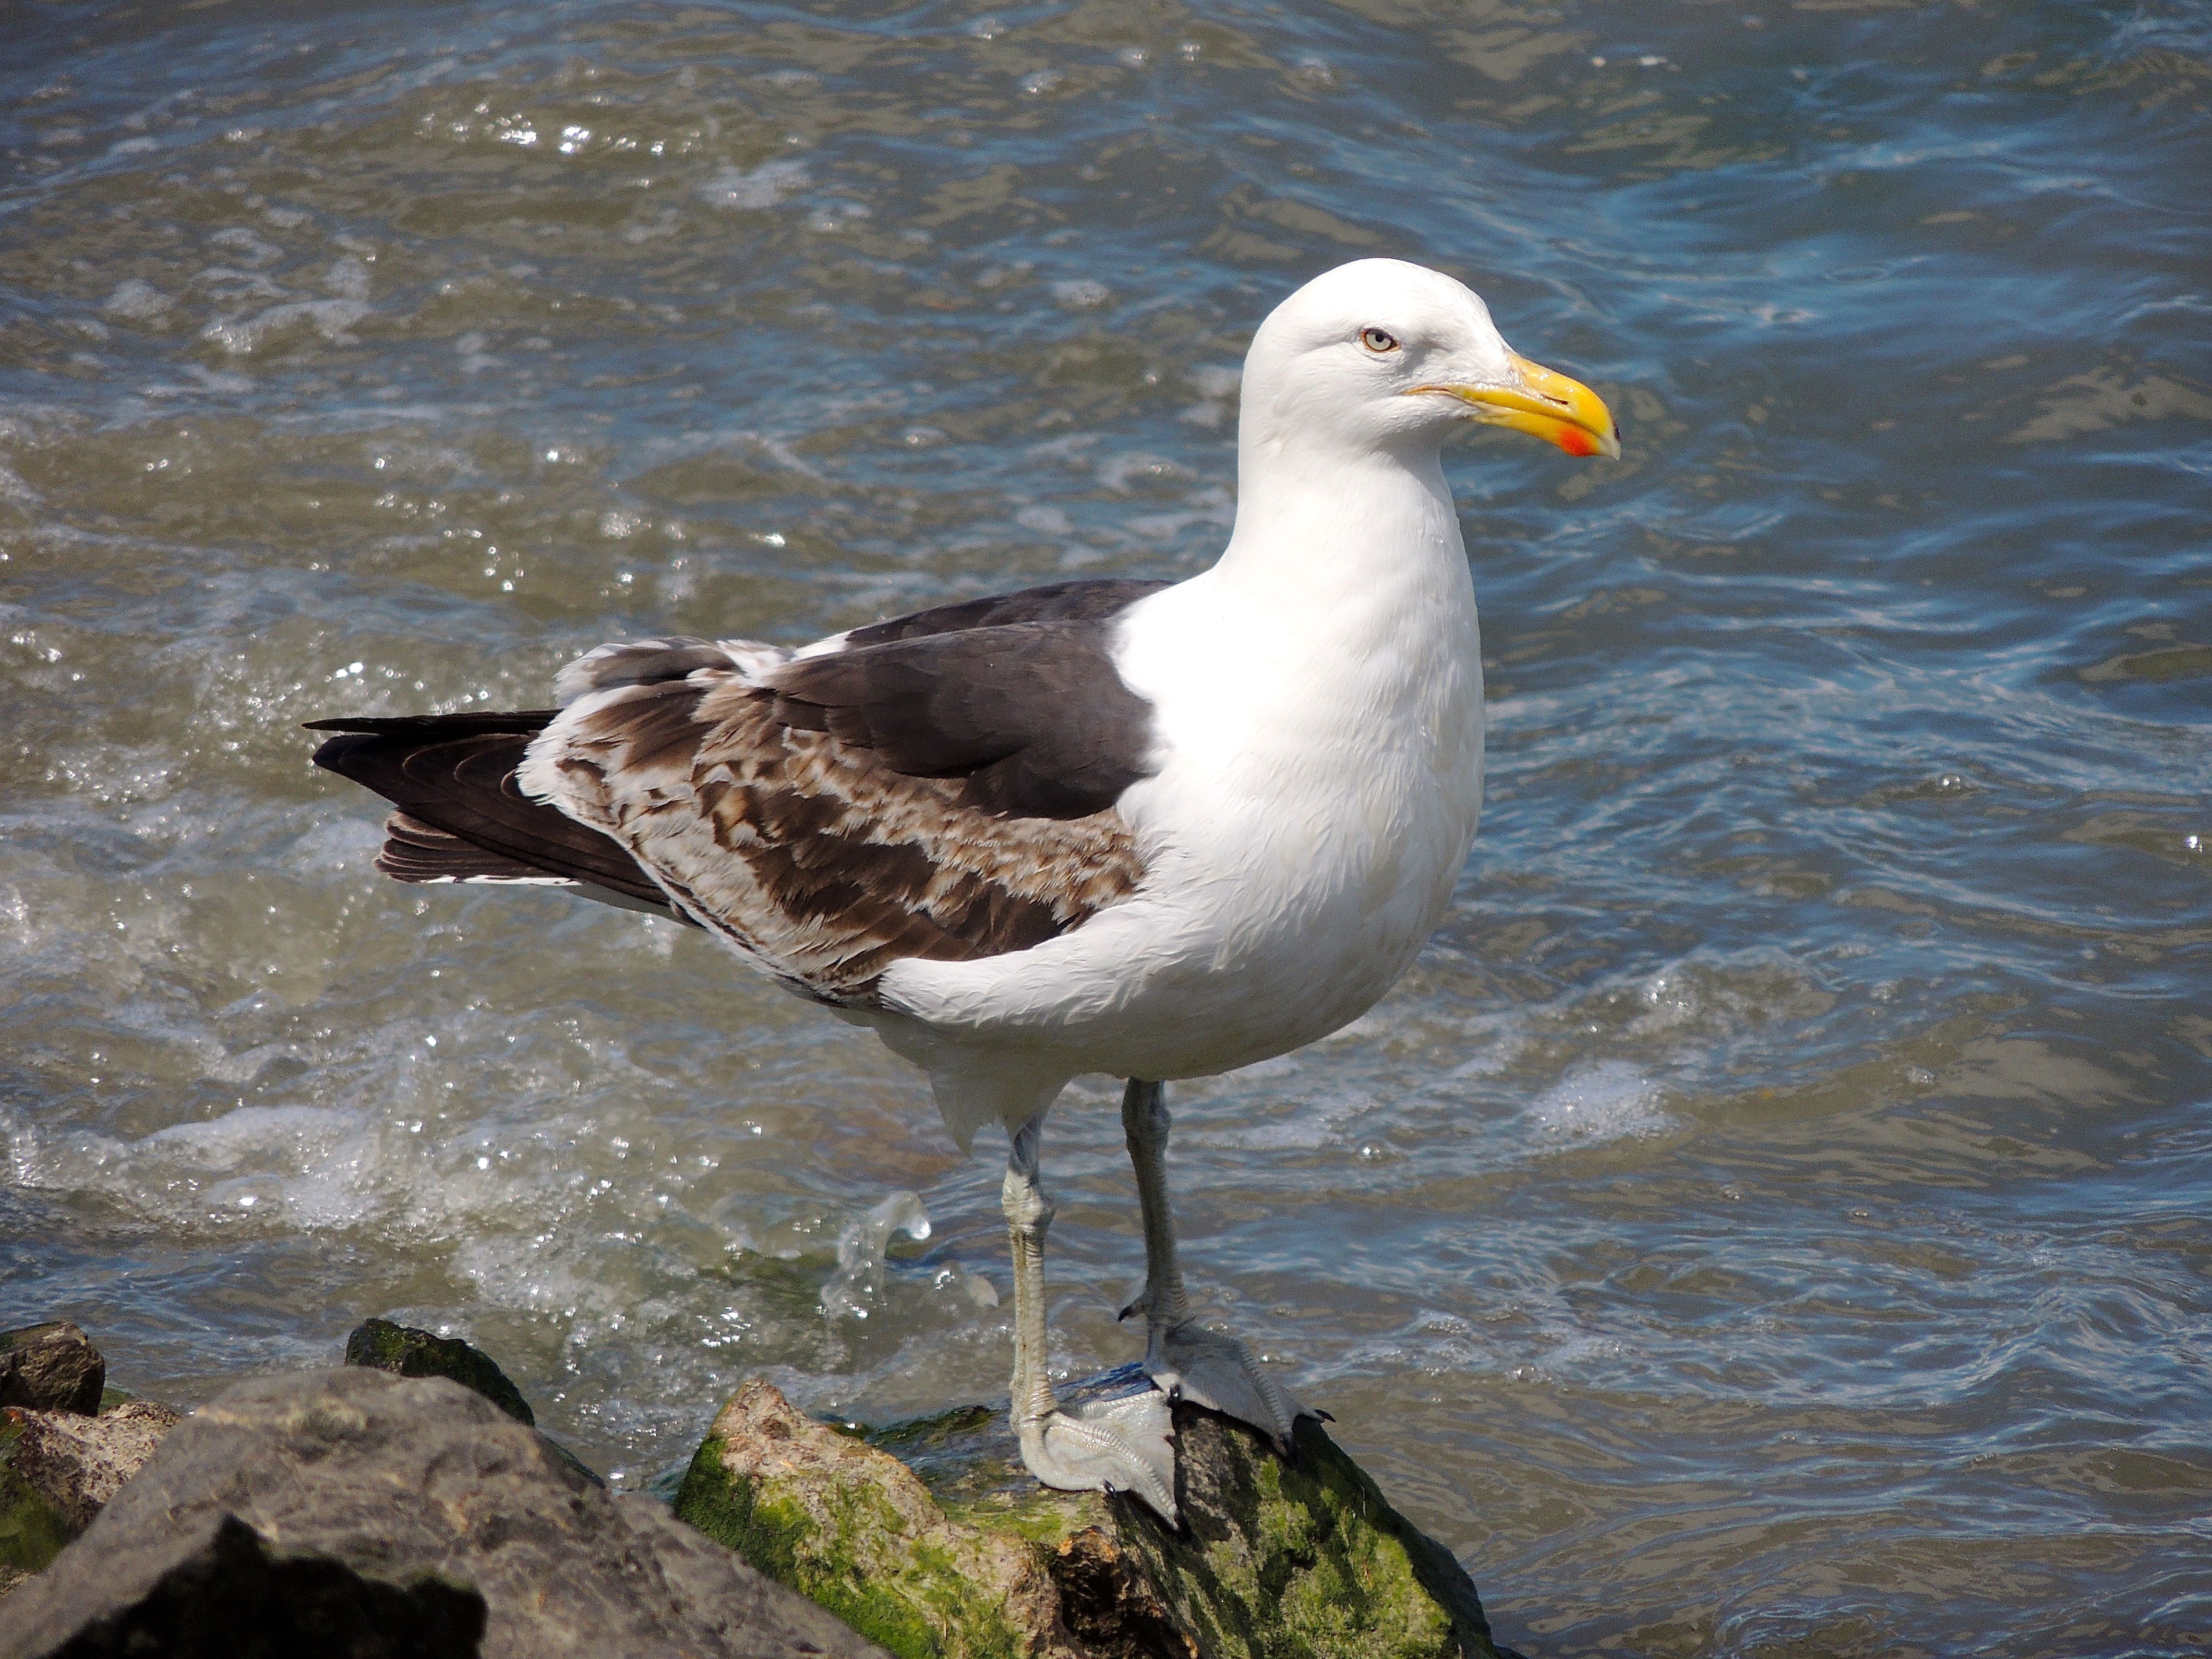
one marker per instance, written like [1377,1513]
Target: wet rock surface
[353,1511]
[948,1548]
[51,1368]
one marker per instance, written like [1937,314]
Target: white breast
[1320,778]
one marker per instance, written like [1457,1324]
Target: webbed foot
[1115,1434]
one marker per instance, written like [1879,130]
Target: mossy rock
[819,1509]
[1300,1558]
[949,1550]
[32,1532]
[406,1351]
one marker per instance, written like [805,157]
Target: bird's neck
[1346,537]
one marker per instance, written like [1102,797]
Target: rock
[1298,1557]
[406,1351]
[854,1528]
[77,1463]
[351,1511]
[58,1468]
[963,1555]
[51,1368]
[226,1596]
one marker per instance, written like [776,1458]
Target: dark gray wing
[1031,716]
[948,794]
[1096,600]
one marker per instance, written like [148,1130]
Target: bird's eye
[1377,341]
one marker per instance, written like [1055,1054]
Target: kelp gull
[1152,830]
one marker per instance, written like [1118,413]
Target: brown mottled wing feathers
[811,854]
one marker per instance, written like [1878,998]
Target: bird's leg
[1124,1443]
[1146,1122]
[1211,1368]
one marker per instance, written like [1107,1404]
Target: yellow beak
[1547,404]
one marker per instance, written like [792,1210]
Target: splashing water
[857,1283]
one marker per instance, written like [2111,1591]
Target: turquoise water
[1773,1216]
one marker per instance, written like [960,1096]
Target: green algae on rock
[32,1530]
[853,1528]
[956,1553]
[1297,1559]
[76,1464]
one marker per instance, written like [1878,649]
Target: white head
[1381,354]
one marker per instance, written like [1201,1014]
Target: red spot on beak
[1576,441]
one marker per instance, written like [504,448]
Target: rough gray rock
[353,1512]
[58,1468]
[405,1350]
[228,1597]
[77,1463]
[51,1368]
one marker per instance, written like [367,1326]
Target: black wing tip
[414,850]
[332,753]
[365,735]
[468,723]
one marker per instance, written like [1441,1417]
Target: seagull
[1153,830]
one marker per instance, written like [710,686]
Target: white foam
[313,1166]
[347,277]
[137,299]
[329,318]
[1603,1102]
[735,189]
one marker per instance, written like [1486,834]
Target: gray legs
[1028,1215]
[1123,1444]
[1210,1368]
